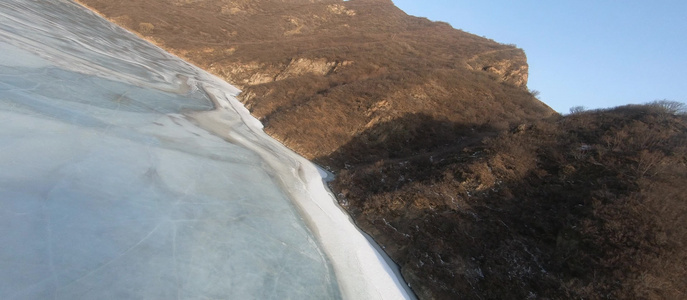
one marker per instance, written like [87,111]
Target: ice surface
[128,173]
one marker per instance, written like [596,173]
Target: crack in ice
[92,272]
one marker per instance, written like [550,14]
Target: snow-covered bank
[111,189]
[362,271]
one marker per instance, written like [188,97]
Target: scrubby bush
[145,28]
[671,107]
[577,109]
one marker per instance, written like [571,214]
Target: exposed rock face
[340,9]
[251,74]
[301,66]
[508,71]
[324,74]
[507,67]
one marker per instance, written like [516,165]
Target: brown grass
[588,206]
[387,64]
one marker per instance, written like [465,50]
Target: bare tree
[577,109]
[671,107]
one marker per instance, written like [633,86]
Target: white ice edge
[361,270]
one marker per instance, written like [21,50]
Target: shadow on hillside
[416,145]
[527,211]
[414,135]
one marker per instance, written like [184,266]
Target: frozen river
[126,173]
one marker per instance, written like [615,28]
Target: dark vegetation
[592,205]
[474,187]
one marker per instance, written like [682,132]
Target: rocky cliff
[473,186]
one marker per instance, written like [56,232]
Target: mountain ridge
[265,47]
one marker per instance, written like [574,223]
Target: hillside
[317,73]
[586,206]
[473,186]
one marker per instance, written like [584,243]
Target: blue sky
[595,54]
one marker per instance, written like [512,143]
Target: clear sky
[595,54]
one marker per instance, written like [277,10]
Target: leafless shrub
[671,107]
[577,109]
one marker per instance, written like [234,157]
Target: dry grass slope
[317,73]
[587,206]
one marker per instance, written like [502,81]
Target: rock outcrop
[508,67]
